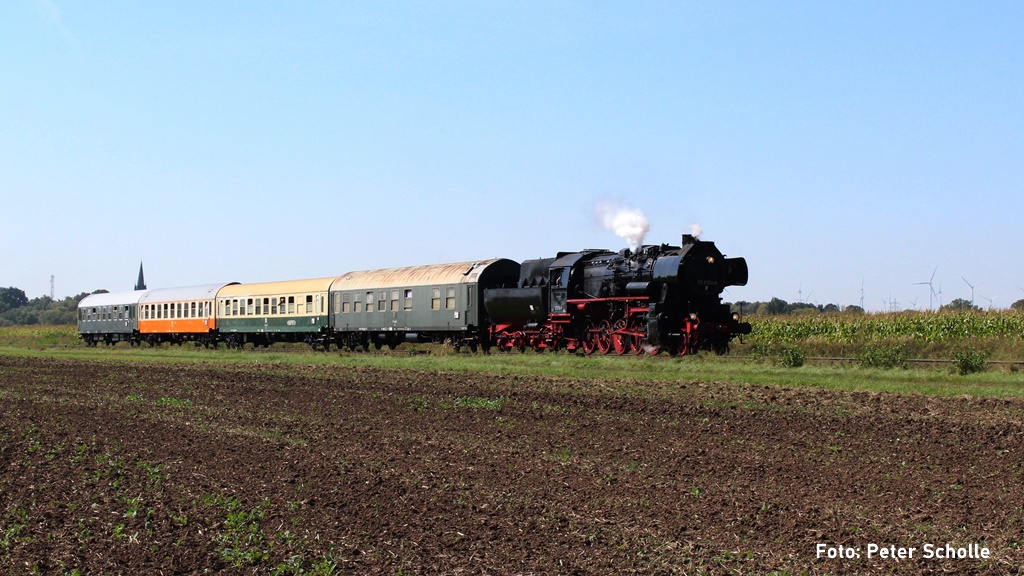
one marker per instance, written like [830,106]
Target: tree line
[778,306]
[16,309]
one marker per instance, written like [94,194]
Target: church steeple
[141,284]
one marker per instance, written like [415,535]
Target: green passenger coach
[436,303]
[109,317]
[268,312]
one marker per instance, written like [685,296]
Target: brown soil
[119,467]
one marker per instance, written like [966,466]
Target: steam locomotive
[648,300]
[657,298]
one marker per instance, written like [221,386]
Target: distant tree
[853,309]
[43,310]
[743,307]
[1018,305]
[803,309]
[776,306]
[830,308]
[960,305]
[11,298]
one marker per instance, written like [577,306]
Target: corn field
[929,327]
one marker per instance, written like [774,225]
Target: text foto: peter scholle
[926,552]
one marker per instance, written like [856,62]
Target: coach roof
[454,273]
[111,299]
[184,293]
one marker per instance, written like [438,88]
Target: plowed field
[127,467]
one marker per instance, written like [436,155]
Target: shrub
[970,361]
[792,357]
[761,350]
[879,356]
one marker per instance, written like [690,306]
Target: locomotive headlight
[711,259]
[736,316]
[693,316]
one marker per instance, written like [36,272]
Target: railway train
[645,301]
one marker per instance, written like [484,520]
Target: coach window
[394,300]
[369,302]
[234,306]
[180,315]
[357,303]
[382,301]
[408,299]
[248,306]
[291,304]
[309,303]
[346,305]
[435,298]
[449,300]
[281,305]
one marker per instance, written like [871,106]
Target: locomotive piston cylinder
[638,287]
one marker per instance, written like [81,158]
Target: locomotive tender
[645,301]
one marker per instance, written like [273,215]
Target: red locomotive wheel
[620,341]
[636,345]
[588,342]
[637,340]
[604,337]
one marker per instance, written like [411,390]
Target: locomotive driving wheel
[636,339]
[587,341]
[603,336]
[622,342]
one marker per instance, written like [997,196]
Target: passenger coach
[179,315]
[268,312]
[416,304]
[110,317]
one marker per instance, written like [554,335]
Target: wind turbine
[931,289]
[972,288]
[990,300]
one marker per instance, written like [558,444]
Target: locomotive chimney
[689,239]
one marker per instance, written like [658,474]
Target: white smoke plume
[696,230]
[628,223]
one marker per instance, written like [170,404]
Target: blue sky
[831,144]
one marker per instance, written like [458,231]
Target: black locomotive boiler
[654,299]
